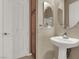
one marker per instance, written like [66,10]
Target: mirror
[47,15]
[73,13]
[60,16]
[69,10]
[60,12]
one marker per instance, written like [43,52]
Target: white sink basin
[66,43]
[63,44]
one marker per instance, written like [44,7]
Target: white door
[1,40]
[6,29]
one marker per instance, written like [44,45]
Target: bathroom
[67,21]
[28,26]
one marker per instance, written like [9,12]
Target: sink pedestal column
[62,53]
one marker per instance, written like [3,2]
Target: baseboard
[24,55]
[29,54]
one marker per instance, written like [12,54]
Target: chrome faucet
[65,36]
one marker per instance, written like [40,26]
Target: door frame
[30,18]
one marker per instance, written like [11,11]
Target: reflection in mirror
[60,16]
[73,13]
[60,13]
[48,15]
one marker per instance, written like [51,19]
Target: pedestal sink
[63,44]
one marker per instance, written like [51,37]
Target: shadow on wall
[49,55]
[72,1]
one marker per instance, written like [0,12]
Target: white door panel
[1,48]
[8,48]
[8,16]
[8,30]
[1,41]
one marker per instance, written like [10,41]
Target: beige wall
[45,50]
